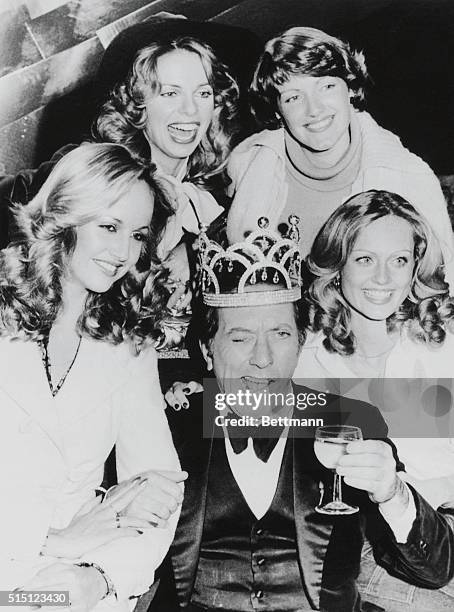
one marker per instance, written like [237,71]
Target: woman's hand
[178,265]
[86,585]
[96,524]
[180,298]
[159,497]
[176,394]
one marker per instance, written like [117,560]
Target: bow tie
[263,447]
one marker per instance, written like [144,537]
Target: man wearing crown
[249,537]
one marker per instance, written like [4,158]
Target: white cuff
[400,519]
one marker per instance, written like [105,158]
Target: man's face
[255,348]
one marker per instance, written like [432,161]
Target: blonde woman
[177,106]
[80,307]
[379,308]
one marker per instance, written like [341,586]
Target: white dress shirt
[258,480]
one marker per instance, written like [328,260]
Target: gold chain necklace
[47,365]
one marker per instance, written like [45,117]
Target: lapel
[195,456]
[313,530]
[97,372]
[23,384]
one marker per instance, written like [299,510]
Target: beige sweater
[259,182]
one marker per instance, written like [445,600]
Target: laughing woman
[177,106]
[80,307]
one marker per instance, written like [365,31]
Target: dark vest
[248,564]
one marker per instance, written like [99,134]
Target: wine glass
[329,446]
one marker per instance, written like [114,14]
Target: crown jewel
[263,258]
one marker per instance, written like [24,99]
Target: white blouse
[53,449]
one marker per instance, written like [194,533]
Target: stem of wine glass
[337,488]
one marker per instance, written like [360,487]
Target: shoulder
[315,361]
[271,139]
[448,344]
[10,345]
[20,363]
[122,358]
[410,358]
[358,413]
[340,410]
[382,147]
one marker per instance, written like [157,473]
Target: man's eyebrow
[233,330]
[287,90]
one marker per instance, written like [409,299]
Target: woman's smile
[183,132]
[320,125]
[377,275]
[378,296]
[107,267]
[179,113]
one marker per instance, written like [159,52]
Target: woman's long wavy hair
[123,117]
[82,185]
[425,312]
[303,51]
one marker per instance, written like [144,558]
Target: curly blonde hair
[426,312]
[82,185]
[123,117]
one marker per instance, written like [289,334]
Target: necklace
[47,365]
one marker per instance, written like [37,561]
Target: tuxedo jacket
[328,547]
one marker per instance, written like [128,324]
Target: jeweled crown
[238,275]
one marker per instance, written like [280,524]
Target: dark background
[49,58]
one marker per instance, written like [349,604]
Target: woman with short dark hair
[319,147]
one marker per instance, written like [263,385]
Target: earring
[336,283]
